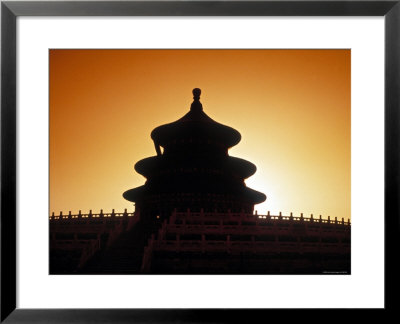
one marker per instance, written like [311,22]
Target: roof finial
[196,104]
[196,93]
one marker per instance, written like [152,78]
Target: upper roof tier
[196,125]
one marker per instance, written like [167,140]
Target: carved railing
[240,217]
[204,216]
[90,215]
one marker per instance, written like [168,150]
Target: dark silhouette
[194,171]
[194,214]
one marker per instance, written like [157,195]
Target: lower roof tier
[236,192]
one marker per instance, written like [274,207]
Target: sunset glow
[292,108]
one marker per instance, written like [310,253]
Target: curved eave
[135,193]
[255,196]
[147,165]
[243,167]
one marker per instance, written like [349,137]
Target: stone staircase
[123,256]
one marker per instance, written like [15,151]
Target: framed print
[150,196]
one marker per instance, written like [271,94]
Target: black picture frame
[10,10]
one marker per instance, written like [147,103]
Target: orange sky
[292,108]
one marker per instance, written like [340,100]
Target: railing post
[312,218]
[280,215]
[80,214]
[320,218]
[69,215]
[52,215]
[335,220]
[61,215]
[342,220]
[329,219]
[173,217]
[301,217]
[101,212]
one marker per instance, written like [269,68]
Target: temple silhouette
[195,215]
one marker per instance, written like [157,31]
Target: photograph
[200,161]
